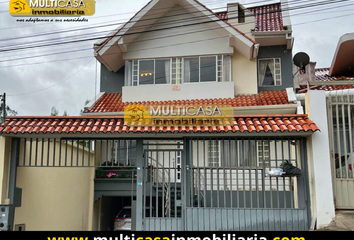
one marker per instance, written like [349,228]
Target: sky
[36,79]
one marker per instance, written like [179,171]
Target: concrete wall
[319,161]
[286,65]
[244,74]
[111,82]
[55,198]
[163,92]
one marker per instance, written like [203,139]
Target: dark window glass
[146,72]
[191,70]
[208,69]
[162,71]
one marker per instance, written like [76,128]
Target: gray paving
[344,221]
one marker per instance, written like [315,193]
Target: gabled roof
[115,125]
[112,102]
[103,43]
[110,51]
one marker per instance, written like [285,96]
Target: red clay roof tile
[115,124]
[267,17]
[112,102]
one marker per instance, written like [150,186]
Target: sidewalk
[344,221]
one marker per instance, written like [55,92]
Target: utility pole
[3,104]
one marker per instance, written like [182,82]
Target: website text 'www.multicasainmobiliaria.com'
[174,237]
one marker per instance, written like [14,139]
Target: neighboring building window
[178,70]
[214,153]
[269,72]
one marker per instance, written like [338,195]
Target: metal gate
[340,109]
[231,190]
[163,189]
[220,184]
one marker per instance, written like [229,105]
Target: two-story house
[174,174]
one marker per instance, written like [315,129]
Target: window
[263,154]
[146,72]
[207,69]
[191,70]
[162,71]
[269,72]
[214,151]
[178,70]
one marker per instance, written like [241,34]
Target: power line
[69,59]
[135,41]
[142,20]
[21,94]
[292,15]
[153,30]
[165,23]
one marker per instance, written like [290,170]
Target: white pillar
[321,191]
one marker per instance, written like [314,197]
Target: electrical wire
[77,50]
[142,20]
[186,20]
[292,15]
[43,89]
[92,58]
[153,30]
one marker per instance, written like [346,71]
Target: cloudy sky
[36,79]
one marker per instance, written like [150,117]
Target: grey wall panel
[286,65]
[111,82]
[163,224]
[246,219]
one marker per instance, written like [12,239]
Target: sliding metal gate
[341,130]
[220,184]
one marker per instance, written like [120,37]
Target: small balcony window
[269,72]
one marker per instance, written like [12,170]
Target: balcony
[178,92]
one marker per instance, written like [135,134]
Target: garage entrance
[109,208]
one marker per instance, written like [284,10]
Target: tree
[54,111]
[83,110]
[65,113]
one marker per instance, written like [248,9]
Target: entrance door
[163,188]
[341,129]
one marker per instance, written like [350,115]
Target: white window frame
[219,59]
[261,150]
[274,71]
[216,161]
